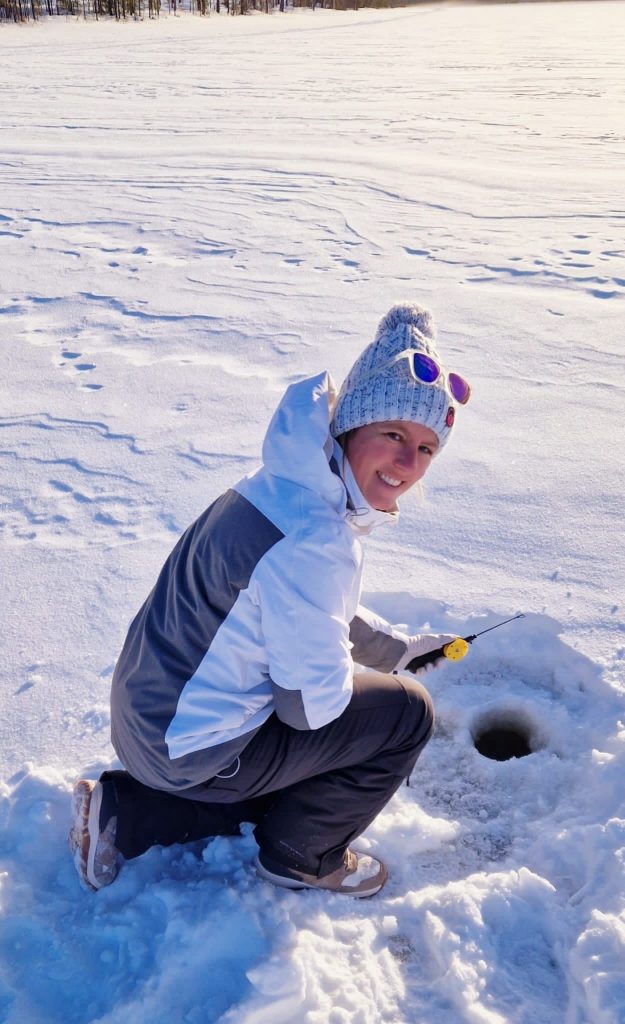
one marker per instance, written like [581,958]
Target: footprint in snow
[67,354]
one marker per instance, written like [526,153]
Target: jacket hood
[298,445]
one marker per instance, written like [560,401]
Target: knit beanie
[393,394]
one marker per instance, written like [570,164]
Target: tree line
[37,10]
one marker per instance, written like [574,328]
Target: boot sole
[85,830]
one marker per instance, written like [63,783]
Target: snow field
[194,213]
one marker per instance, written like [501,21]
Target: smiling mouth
[389,480]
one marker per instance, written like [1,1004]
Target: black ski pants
[309,793]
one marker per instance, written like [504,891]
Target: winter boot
[91,839]
[360,875]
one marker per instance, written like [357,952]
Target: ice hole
[502,735]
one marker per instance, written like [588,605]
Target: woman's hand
[422,644]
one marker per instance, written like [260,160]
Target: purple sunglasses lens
[425,369]
[459,388]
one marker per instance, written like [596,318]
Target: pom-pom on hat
[393,393]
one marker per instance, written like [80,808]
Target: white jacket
[255,611]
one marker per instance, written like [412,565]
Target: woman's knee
[400,696]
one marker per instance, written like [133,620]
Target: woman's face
[388,458]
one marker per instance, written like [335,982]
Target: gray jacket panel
[195,591]
[374,648]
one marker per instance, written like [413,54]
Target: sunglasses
[426,370]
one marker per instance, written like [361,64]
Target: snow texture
[196,212]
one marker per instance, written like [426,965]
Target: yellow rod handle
[456,649]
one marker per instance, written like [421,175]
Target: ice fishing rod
[456,649]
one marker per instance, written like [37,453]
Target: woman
[235,696]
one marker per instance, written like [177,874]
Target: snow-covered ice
[194,213]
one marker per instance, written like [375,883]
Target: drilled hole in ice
[503,735]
